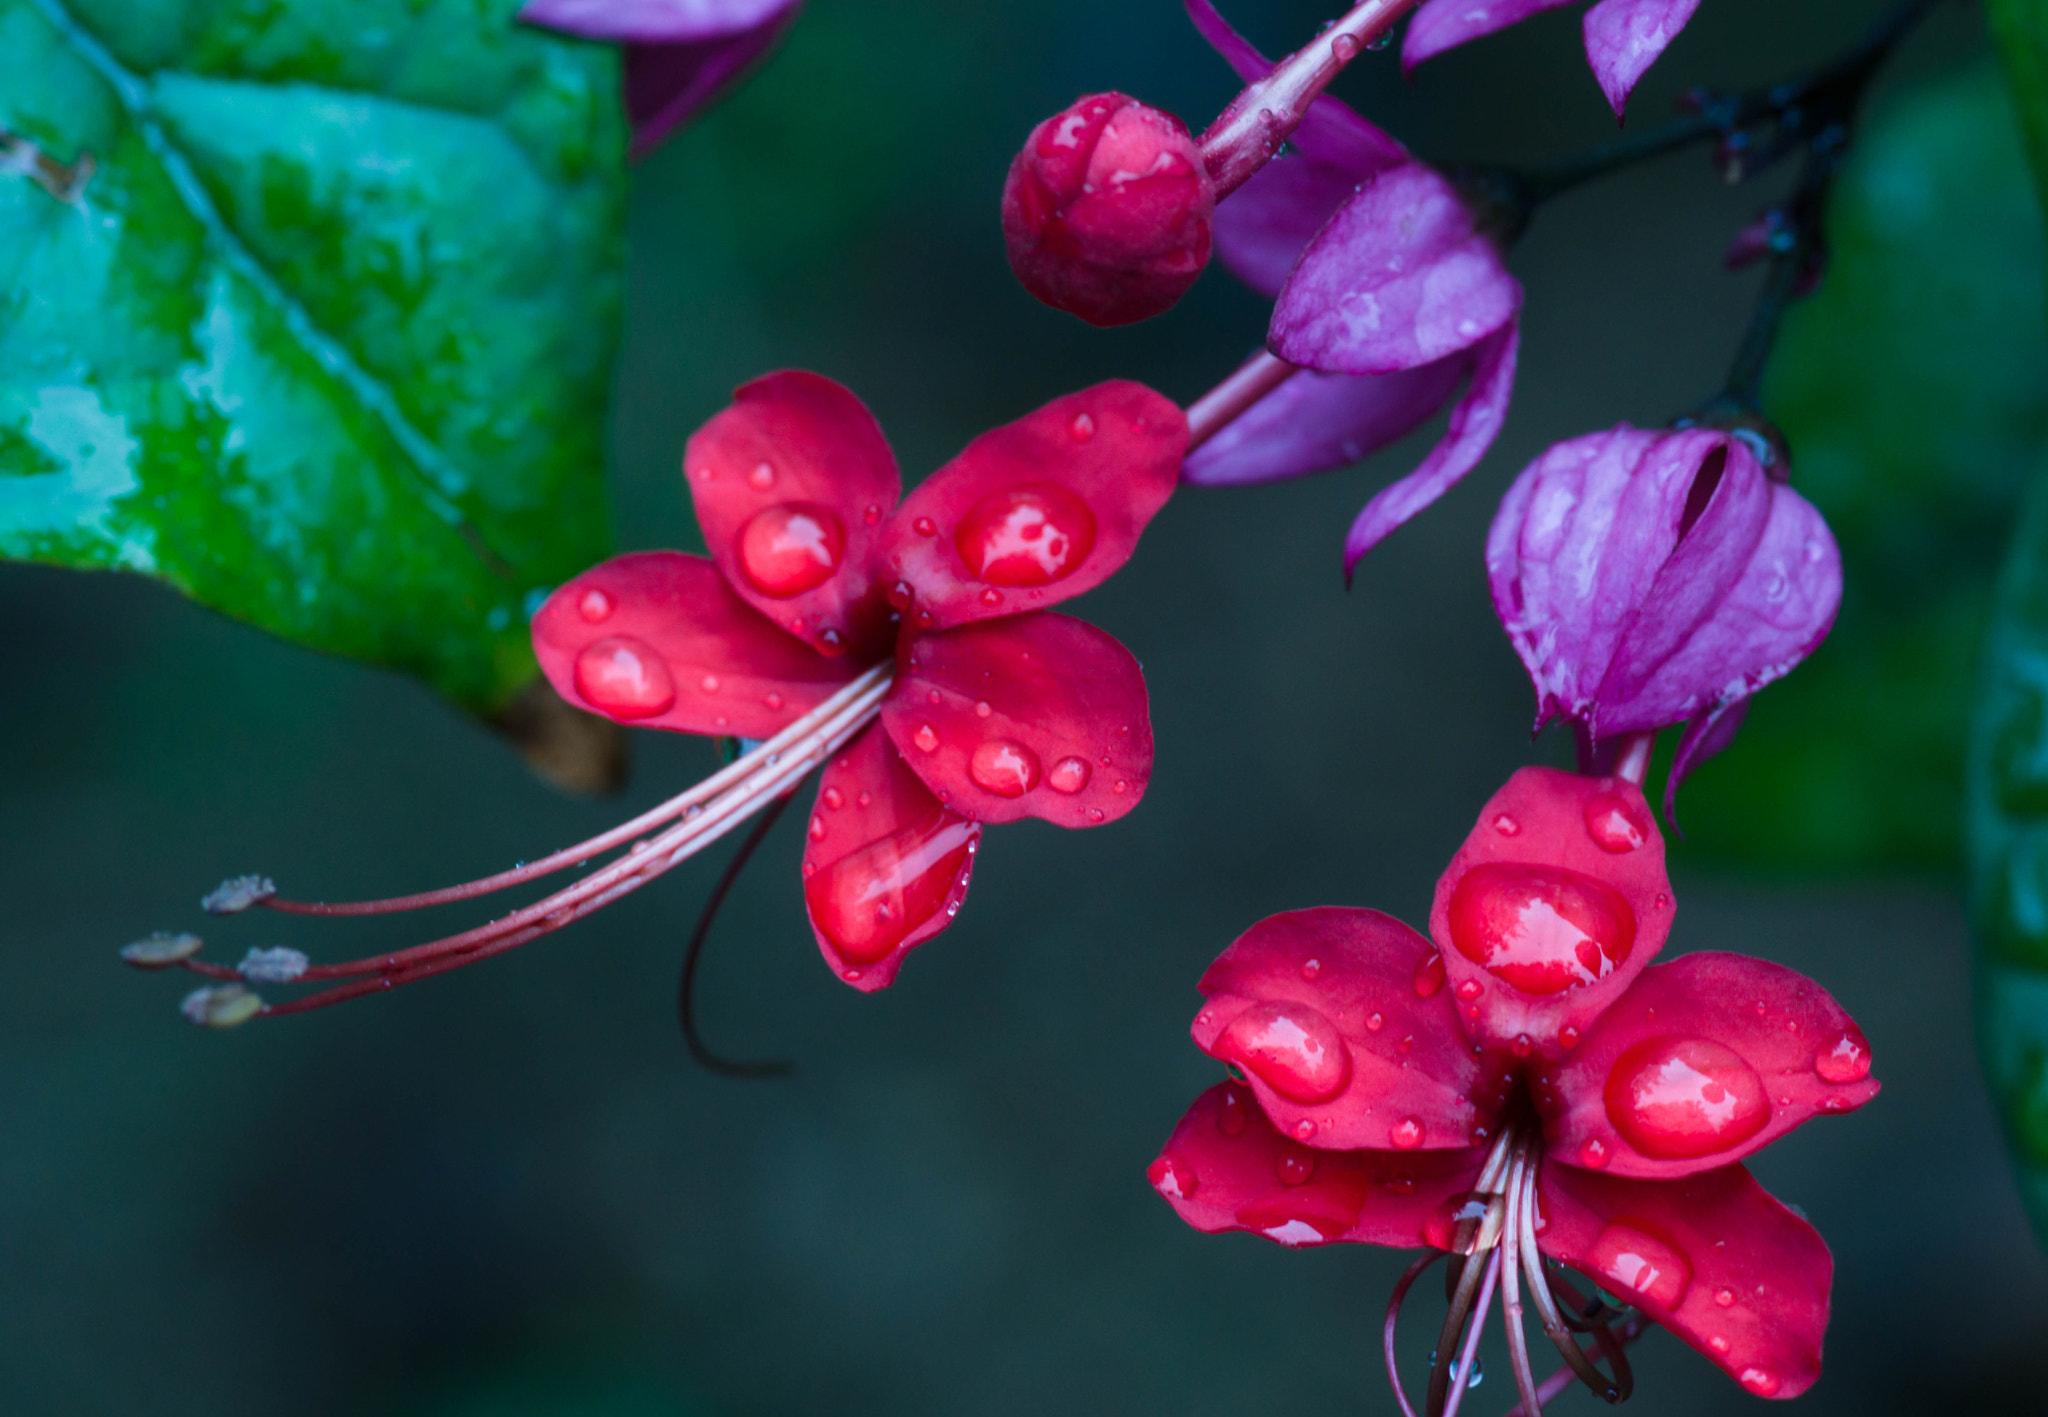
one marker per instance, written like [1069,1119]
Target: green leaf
[325,337]
[1913,388]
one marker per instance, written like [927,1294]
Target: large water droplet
[1441,1229]
[1633,1257]
[1310,1214]
[1846,1059]
[791,547]
[1614,823]
[1004,767]
[868,902]
[1297,1051]
[1761,1381]
[1026,536]
[1295,1165]
[1173,1177]
[625,678]
[1542,929]
[1069,775]
[1676,1098]
[1429,975]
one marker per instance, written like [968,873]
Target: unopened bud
[160,951]
[221,1006]
[238,894]
[1107,210]
[279,965]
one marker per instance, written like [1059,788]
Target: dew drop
[1846,1059]
[1374,1022]
[1381,40]
[1406,1134]
[595,605]
[1568,1037]
[1506,825]
[868,902]
[901,595]
[982,709]
[772,699]
[791,547]
[1470,989]
[1232,1113]
[1082,428]
[865,799]
[849,974]
[1633,1258]
[762,477]
[1002,766]
[1761,1381]
[925,526]
[1345,48]
[1095,814]
[1069,775]
[1026,536]
[709,683]
[1678,1098]
[1429,975]
[872,514]
[1173,1178]
[1310,968]
[833,798]
[1522,1047]
[1725,1298]
[625,678]
[1295,1165]
[1441,1228]
[1541,929]
[1718,1344]
[1294,1049]
[1593,1155]
[991,596]
[1304,1129]
[1614,824]
[817,827]
[926,738]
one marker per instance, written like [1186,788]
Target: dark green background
[507,1192]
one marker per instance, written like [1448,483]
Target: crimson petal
[1343,1031]
[1033,716]
[1226,1168]
[1551,909]
[1704,1060]
[1714,1258]
[885,865]
[791,484]
[657,639]
[1037,510]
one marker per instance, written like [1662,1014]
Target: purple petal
[1261,230]
[1331,132]
[1703,738]
[1315,422]
[654,21]
[1474,423]
[1624,38]
[1576,544]
[1446,24]
[1399,278]
[1778,609]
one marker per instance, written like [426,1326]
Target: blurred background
[509,1192]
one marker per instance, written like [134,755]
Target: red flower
[1528,1086]
[997,710]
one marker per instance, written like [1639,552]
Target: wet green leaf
[325,337]
[1913,387]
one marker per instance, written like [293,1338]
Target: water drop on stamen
[1345,48]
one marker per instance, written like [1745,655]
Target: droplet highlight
[1634,1258]
[1026,536]
[1615,824]
[1003,766]
[1541,929]
[625,678]
[868,902]
[1069,775]
[1679,1098]
[1295,1050]
[791,547]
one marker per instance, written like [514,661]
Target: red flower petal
[656,639]
[1713,1258]
[791,483]
[1226,1168]
[1038,510]
[1703,1061]
[1552,906]
[885,866]
[1032,716]
[1346,1035]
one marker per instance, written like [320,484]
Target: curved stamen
[618,836]
[1628,1331]
[1546,1309]
[1469,1354]
[693,955]
[1473,1286]
[773,774]
[1604,1338]
[1394,1303]
[1521,1195]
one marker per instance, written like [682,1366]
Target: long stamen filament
[1394,1303]
[1460,1374]
[733,795]
[1475,1286]
[1521,1196]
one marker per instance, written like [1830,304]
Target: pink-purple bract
[681,55]
[1653,578]
[1623,37]
[1388,293]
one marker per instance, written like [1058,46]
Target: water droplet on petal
[1002,766]
[1441,1228]
[595,605]
[1522,1047]
[1632,1257]
[982,708]
[868,902]
[1429,975]
[1233,1113]
[1173,1178]
[1026,536]
[1677,1098]
[1406,1134]
[772,700]
[1470,989]
[1304,1129]
[1310,968]
[791,547]
[1094,814]
[1761,1381]
[1295,1165]
[1568,1037]
[1614,824]
[991,596]
[709,683]
[1294,1049]
[1593,1155]
[1374,1022]
[1542,929]
[1082,428]
[1725,1298]
[926,738]
[817,827]
[1846,1059]
[1069,775]
[762,477]
[625,678]
[1506,825]
[872,515]
[1718,1344]
[925,526]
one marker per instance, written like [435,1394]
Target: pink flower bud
[1107,210]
